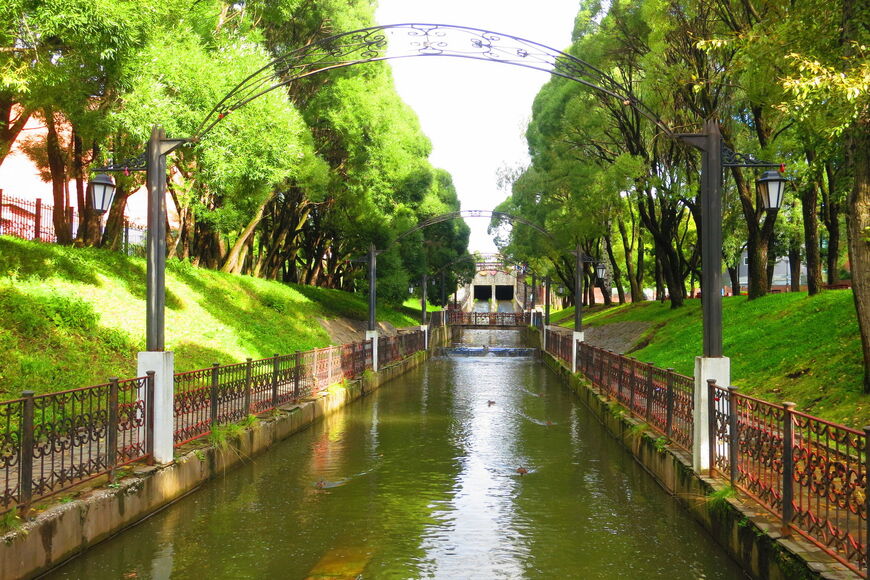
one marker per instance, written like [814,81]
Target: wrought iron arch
[484,213]
[420,40]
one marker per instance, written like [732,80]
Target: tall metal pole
[710,144]
[443,291]
[534,283]
[547,300]
[711,240]
[423,300]
[578,290]
[155,179]
[373,286]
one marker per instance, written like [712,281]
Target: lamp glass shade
[102,190]
[600,270]
[771,186]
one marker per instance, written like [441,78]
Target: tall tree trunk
[809,208]
[635,290]
[113,235]
[57,167]
[13,117]
[614,268]
[831,217]
[794,265]
[858,155]
[235,261]
[858,160]
[734,275]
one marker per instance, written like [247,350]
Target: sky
[474,112]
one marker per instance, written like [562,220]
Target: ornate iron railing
[33,220]
[661,397]
[809,472]
[54,441]
[486,318]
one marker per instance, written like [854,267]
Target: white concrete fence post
[372,335]
[163,365]
[578,338]
[718,368]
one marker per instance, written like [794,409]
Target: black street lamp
[712,365]
[101,190]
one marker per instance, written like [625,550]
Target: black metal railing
[51,442]
[486,318]
[809,472]
[54,441]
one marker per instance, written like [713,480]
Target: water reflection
[465,468]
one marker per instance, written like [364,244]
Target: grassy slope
[783,347]
[73,317]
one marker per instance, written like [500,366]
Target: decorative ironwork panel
[69,434]
[830,497]
[759,450]
[192,405]
[132,395]
[231,392]
[10,451]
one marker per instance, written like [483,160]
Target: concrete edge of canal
[744,529]
[66,530]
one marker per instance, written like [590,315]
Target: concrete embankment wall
[747,532]
[68,529]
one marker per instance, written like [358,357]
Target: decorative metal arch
[395,41]
[480,259]
[476,213]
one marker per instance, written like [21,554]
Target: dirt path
[619,337]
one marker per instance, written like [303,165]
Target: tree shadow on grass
[36,260]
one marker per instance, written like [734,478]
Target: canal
[468,467]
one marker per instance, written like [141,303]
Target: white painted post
[718,368]
[163,365]
[425,329]
[578,338]
[372,335]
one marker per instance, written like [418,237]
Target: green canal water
[424,479]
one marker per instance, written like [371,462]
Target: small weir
[480,464]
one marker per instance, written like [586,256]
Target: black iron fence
[487,318]
[51,442]
[809,472]
[34,220]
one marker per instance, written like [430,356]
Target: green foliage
[717,501]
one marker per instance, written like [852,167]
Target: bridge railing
[486,318]
[51,442]
[809,472]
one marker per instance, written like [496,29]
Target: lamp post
[712,365]
[581,258]
[155,358]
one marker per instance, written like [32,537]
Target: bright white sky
[476,112]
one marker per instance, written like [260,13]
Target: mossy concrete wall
[68,529]
[747,532]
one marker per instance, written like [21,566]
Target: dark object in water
[522,470]
[490,403]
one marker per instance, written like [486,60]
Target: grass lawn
[74,317]
[783,347]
